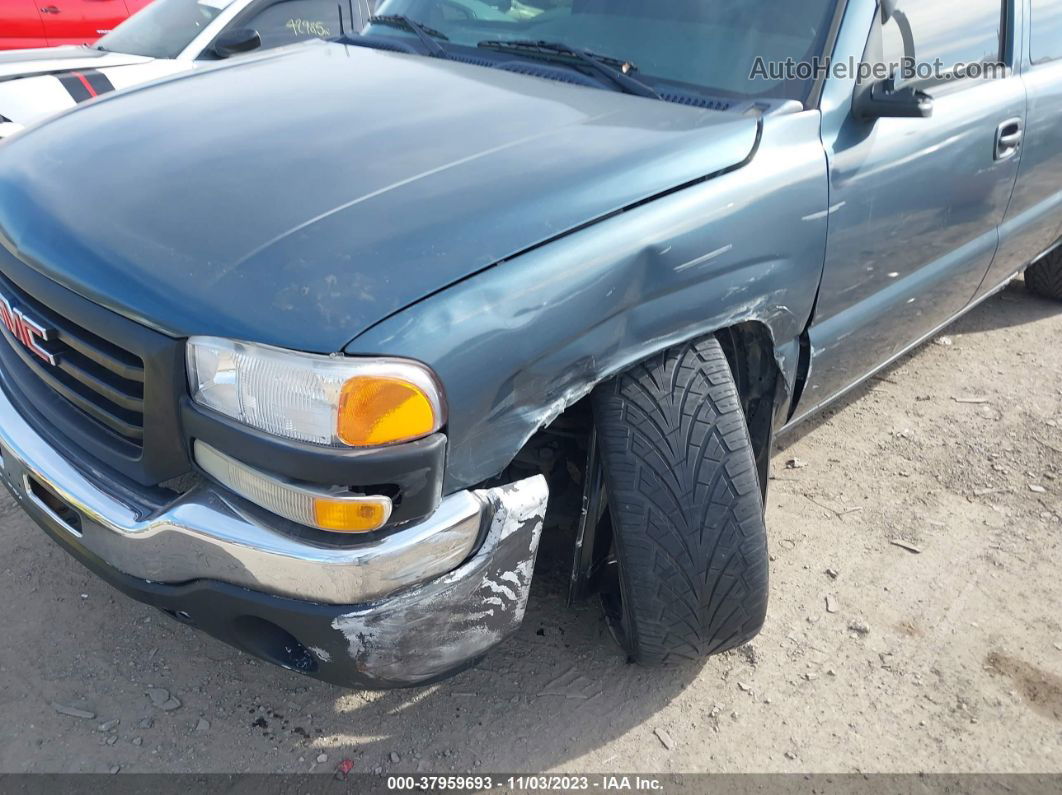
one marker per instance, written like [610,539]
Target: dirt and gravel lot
[915,623]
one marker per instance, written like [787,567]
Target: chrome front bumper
[210,535]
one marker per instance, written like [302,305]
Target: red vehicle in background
[49,23]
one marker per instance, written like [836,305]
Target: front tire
[684,501]
[1045,277]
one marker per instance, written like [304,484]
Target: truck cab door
[915,203]
[1034,219]
[80,21]
[20,25]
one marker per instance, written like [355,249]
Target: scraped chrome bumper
[405,609]
[207,534]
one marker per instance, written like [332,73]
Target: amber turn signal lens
[345,517]
[376,411]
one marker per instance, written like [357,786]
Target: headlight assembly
[327,400]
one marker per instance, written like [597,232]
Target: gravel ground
[914,624]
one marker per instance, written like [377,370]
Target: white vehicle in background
[166,37]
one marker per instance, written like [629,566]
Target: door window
[945,36]
[1046,30]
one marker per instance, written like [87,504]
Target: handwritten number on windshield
[306,27]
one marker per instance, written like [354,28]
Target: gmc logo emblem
[26,330]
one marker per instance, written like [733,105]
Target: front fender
[519,343]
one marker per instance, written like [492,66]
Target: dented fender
[520,342]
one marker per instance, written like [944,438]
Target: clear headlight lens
[327,400]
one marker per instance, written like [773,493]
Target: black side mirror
[234,42]
[883,100]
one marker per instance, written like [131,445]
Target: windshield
[164,28]
[708,45]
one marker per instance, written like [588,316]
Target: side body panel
[20,25]
[915,209]
[519,343]
[1034,221]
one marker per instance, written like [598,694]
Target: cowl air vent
[381,45]
[472,60]
[686,99]
[550,73]
[696,101]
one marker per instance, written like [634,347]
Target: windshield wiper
[426,35]
[614,70]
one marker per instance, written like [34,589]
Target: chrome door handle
[50,10]
[1009,136]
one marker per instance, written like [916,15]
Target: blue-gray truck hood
[300,197]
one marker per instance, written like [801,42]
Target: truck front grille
[89,379]
[100,379]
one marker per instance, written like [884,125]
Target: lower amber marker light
[346,517]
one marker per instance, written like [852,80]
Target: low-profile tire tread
[1045,277]
[685,504]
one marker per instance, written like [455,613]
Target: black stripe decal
[99,82]
[75,88]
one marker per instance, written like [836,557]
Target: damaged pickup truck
[308,350]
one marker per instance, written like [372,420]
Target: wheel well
[749,349]
[560,450]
